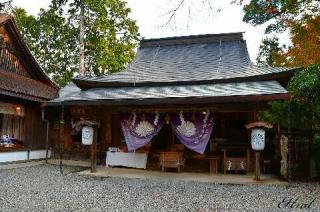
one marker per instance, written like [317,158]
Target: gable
[20,74]
[18,54]
[10,55]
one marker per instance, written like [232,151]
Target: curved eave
[184,94]
[84,83]
[169,101]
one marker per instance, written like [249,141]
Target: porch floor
[183,176]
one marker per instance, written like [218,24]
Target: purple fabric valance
[139,128]
[193,129]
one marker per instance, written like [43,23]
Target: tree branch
[174,12]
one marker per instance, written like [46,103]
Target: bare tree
[188,5]
[208,6]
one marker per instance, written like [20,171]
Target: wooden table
[213,164]
[127,159]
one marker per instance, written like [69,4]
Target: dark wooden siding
[35,128]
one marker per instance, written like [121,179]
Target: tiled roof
[206,68]
[184,60]
[72,93]
[34,86]
[15,85]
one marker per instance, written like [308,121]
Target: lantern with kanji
[258,139]
[87,135]
[258,142]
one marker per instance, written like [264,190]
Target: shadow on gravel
[66,170]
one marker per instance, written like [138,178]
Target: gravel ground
[43,188]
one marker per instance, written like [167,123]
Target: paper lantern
[87,135]
[258,139]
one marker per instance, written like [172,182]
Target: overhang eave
[168,101]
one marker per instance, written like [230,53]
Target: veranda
[228,150]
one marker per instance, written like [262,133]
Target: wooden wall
[35,128]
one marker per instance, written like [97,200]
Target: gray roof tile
[211,57]
[72,93]
[178,68]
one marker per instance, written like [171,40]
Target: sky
[192,18]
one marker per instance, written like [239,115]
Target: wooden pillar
[106,130]
[61,136]
[289,147]
[94,149]
[105,140]
[257,166]
[115,130]
[67,135]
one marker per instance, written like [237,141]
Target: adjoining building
[191,96]
[24,87]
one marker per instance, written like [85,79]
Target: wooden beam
[101,110]
[87,111]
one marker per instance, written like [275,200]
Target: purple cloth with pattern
[193,129]
[139,128]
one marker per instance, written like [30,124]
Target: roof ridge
[191,39]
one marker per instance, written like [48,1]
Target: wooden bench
[171,160]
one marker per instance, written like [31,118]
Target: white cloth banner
[134,160]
